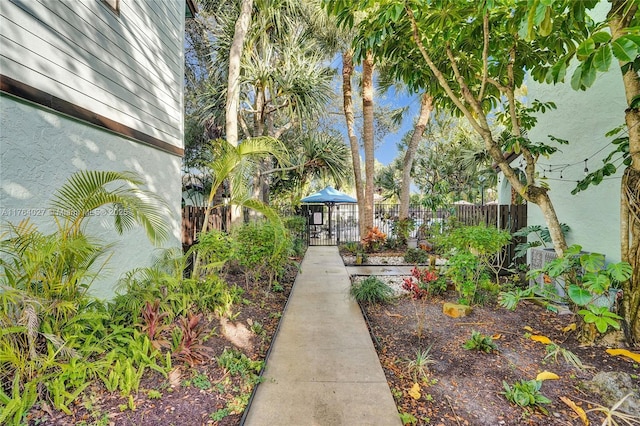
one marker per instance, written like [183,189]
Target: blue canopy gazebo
[330,197]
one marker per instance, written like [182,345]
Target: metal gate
[331,224]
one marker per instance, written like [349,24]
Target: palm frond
[89,190]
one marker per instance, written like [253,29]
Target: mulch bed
[194,393]
[463,386]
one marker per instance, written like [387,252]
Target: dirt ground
[463,387]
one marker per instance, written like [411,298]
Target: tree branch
[439,76]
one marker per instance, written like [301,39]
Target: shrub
[416,256]
[261,248]
[424,282]
[374,240]
[371,290]
[401,229]
[526,393]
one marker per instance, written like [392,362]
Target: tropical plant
[373,240]
[191,348]
[526,394]
[416,256]
[371,290]
[261,249]
[480,342]
[472,252]
[614,416]
[402,228]
[584,278]
[48,317]
[553,350]
[427,283]
[418,366]
[540,234]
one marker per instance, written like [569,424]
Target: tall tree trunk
[233,87]
[426,106]
[347,103]
[367,136]
[630,188]
[233,80]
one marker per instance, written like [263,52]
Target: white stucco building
[95,85]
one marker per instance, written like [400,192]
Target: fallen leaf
[414,392]
[570,327]
[529,329]
[547,375]
[623,352]
[496,336]
[175,376]
[579,411]
[542,339]
[389,314]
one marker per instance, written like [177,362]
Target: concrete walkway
[323,369]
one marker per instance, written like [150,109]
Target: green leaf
[620,271]
[635,102]
[625,49]
[592,262]
[546,26]
[588,73]
[578,295]
[558,71]
[576,78]
[596,283]
[585,49]
[602,58]
[601,37]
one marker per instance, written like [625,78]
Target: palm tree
[237,164]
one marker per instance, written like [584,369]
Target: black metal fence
[338,224]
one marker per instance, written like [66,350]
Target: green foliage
[585,279]
[408,419]
[526,393]
[541,234]
[351,247]
[220,414]
[201,381]
[472,251]
[418,367]
[480,342]
[296,226]
[236,363]
[553,350]
[401,229]
[371,290]
[214,248]
[261,248]
[416,256]
[50,325]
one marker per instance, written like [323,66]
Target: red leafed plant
[374,240]
[191,348]
[422,287]
[153,324]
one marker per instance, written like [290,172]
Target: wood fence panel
[193,221]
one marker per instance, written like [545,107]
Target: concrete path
[323,369]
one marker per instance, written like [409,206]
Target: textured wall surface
[39,150]
[582,118]
[126,67]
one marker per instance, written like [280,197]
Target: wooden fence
[193,220]
[507,217]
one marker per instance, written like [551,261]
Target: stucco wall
[582,118]
[39,149]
